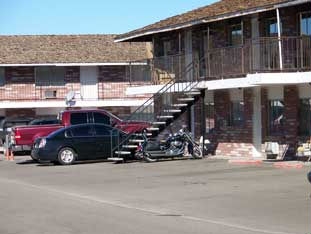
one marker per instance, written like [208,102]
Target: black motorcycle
[175,146]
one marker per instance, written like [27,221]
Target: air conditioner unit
[50,94]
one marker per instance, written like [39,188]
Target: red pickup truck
[23,137]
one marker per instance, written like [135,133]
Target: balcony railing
[286,54]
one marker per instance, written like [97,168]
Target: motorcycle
[175,146]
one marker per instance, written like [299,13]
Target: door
[105,140]
[89,83]
[83,141]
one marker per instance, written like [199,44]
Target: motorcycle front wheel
[148,159]
[197,152]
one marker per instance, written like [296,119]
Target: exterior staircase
[161,110]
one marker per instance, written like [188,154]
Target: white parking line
[145,210]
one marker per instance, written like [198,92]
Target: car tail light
[17,135]
[42,143]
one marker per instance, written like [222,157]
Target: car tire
[66,156]
[33,158]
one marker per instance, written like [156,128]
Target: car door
[106,138]
[83,140]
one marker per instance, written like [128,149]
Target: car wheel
[33,158]
[66,156]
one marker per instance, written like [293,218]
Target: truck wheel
[66,156]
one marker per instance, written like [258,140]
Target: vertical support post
[279,38]
[242,49]
[208,51]
[203,121]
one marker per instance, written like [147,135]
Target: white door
[89,83]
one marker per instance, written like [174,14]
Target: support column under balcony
[257,124]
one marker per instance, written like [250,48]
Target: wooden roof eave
[209,20]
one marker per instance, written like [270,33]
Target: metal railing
[258,55]
[184,80]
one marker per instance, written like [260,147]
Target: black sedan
[78,142]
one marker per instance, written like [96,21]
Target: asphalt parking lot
[181,196]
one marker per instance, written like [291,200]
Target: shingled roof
[42,49]
[204,14]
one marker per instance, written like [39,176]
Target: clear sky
[25,17]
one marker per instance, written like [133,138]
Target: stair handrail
[192,83]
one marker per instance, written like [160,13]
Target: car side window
[78,118]
[101,118]
[102,130]
[82,131]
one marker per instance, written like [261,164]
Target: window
[210,117]
[304,117]
[306,24]
[272,28]
[236,113]
[82,131]
[2,76]
[50,76]
[101,118]
[102,130]
[235,35]
[276,117]
[78,118]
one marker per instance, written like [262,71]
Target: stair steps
[136,140]
[172,111]
[190,99]
[153,129]
[180,105]
[123,152]
[165,117]
[193,93]
[129,146]
[159,123]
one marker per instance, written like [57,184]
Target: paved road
[182,197]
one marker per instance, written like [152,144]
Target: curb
[245,162]
[287,165]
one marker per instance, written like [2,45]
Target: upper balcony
[262,55]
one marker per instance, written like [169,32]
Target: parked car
[77,142]
[26,135]
[6,125]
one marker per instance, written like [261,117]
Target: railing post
[279,38]
[221,62]
[242,51]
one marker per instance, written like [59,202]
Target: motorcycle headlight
[42,143]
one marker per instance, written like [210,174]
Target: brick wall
[233,141]
[20,112]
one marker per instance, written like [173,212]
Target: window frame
[50,79]
[79,113]
[304,118]
[233,122]
[231,36]
[301,25]
[90,127]
[272,120]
